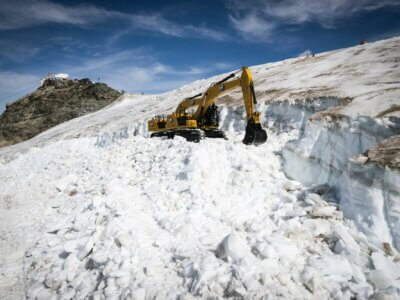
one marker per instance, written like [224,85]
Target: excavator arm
[204,102]
[254,132]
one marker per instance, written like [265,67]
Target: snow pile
[167,219]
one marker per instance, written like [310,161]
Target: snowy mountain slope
[361,74]
[94,208]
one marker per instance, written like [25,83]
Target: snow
[330,151]
[167,217]
[386,272]
[370,196]
[94,208]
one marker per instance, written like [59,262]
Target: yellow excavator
[205,119]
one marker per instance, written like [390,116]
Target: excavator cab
[211,117]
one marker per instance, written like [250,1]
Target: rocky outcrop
[386,153]
[55,102]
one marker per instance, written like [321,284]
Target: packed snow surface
[93,208]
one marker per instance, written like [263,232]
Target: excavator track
[191,135]
[215,133]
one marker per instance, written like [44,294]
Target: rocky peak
[57,100]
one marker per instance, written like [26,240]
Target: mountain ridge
[54,102]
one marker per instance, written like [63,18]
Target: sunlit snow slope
[366,74]
[95,208]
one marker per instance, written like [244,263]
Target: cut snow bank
[367,193]
[370,195]
[322,152]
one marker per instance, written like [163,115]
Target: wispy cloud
[105,62]
[14,85]
[251,25]
[19,14]
[139,70]
[155,78]
[129,70]
[205,32]
[260,18]
[17,51]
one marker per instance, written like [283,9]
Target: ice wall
[370,195]
[287,115]
[322,152]
[367,193]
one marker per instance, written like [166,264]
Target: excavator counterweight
[204,121]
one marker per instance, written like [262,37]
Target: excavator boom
[205,120]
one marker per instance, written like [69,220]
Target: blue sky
[155,46]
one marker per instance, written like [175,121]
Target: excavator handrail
[195,96]
[226,78]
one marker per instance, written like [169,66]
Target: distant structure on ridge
[53,77]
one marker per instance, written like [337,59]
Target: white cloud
[134,70]
[140,70]
[258,18]
[223,66]
[21,14]
[251,25]
[15,85]
[154,78]
[16,51]
[104,62]
[204,32]
[157,23]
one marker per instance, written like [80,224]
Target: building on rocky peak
[54,78]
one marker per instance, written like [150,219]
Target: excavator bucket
[255,135]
